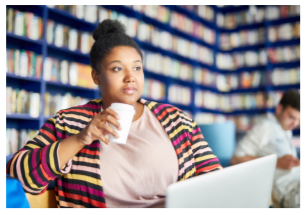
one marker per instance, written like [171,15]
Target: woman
[164,145]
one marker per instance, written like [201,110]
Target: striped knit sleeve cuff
[50,161]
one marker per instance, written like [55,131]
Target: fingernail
[120,127]
[117,116]
[117,135]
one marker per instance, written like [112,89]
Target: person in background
[274,135]
[164,145]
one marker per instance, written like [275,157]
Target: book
[34,108]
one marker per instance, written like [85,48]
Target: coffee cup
[126,113]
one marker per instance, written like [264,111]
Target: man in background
[273,135]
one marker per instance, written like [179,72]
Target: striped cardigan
[79,183]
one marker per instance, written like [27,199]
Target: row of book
[236,101]
[157,12]
[65,36]
[286,31]
[203,11]
[179,94]
[282,76]
[232,81]
[256,15]
[16,139]
[241,38]
[160,64]
[284,54]
[163,39]
[229,102]
[283,11]
[243,80]
[242,122]
[75,74]
[232,20]
[88,13]
[193,28]
[22,101]
[24,24]
[154,89]
[235,60]
[24,63]
[54,103]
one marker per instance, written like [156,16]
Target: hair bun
[108,26]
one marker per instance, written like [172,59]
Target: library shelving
[40,46]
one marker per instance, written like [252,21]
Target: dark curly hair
[107,35]
[291,98]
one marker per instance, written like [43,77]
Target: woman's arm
[36,164]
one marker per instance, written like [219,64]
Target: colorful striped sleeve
[37,164]
[205,160]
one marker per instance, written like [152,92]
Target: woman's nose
[129,78]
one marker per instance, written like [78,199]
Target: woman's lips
[129,90]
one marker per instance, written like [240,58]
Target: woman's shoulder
[166,110]
[86,110]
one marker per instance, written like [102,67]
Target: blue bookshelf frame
[49,50]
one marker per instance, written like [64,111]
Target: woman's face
[121,76]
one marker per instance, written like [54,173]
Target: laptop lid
[245,185]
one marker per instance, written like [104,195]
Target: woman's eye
[137,68]
[118,69]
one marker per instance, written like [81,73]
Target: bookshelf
[212,47]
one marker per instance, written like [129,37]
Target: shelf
[150,47]
[158,24]
[230,8]
[65,53]
[14,41]
[243,48]
[285,65]
[242,27]
[36,9]
[66,50]
[192,15]
[20,116]
[70,86]
[182,107]
[283,20]
[283,87]
[235,112]
[67,18]
[296,132]
[191,38]
[18,77]
[23,38]
[283,43]
[248,112]
[242,69]
[247,90]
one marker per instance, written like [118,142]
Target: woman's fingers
[100,136]
[106,127]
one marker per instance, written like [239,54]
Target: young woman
[164,146]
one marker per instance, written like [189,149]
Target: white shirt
[268,137]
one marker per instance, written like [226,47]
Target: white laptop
[245,185]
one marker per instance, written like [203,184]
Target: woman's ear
[94,76]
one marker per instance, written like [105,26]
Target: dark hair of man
[107,35]
[291,98]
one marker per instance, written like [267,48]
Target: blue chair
[221,139]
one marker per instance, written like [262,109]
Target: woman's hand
[99,128]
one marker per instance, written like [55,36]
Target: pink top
[136,174]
